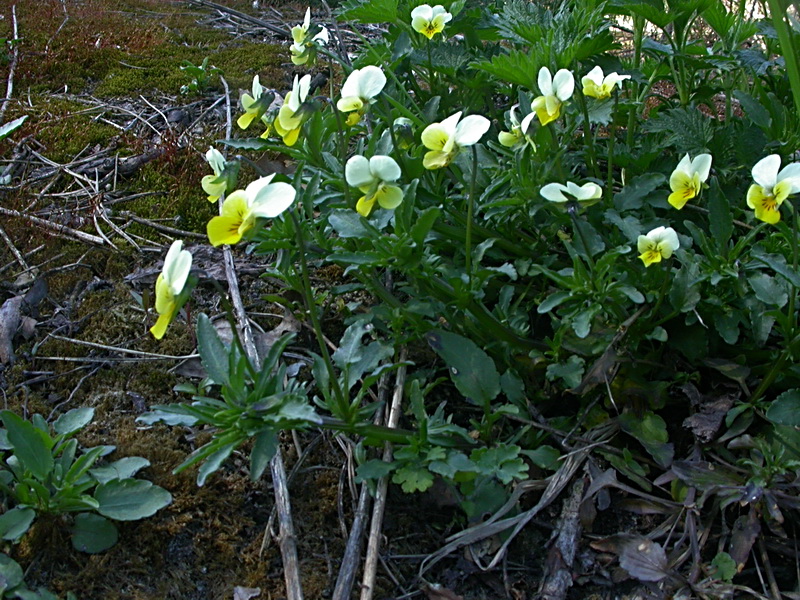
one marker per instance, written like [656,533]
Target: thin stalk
[587,137]
[311,306]
[557,153]
[612,136]
[572,210]
[342,135]
[638,34]
[470,212]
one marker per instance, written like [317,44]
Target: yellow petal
[766,206]
[224,230]
[159,329]
[389,196]
[435,137]
[436,160]
[365,206]
[350,104]
[235,205]
[164,298]
[290,138]
[650,256]
[244,120]
[679,198]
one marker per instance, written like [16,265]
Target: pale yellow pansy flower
[446,139]
[359,91]
[429,20]
[514,137]
[261,199]
[292,113]
[772,187]
[374,177]
[303,49]
[170,285]
[688,179]
[585,195]
[254,105]
[555,91]
[215,185]
[657,245]
[600,87]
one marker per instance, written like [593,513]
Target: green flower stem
[775,370]
[470,213]
[638,35]
[587,134]
[311,306]
[343,141]
[557,151]
[612,136]
[572,210]
[777,9]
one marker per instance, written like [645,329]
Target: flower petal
[389,196]
[436,159]
[357,172]
[435,136]
[371,82]
[423,11]
[471,129]
[160,328]
[765,171]
[365,205]
[224,230]
[349,103]
[236,204]
[273,200]
[545,81]
[554,192]
[702,166]
[385,168]
[563,84]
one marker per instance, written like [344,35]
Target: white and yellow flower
[429,20]
[657,245]
[303,48]
[224,176]
[585,195]
[688,179]
[600,87]
[254,105]
[446,139]
[515,136]
[293,113]
[772,187]
[242,208]
[170,296]
[374,177]
[555,92]
[359,92]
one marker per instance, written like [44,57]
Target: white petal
[791,172]
[423,11]
[273,200]
[307,19]
[554,192]
[471,129]
[255,188]
[655,234]
[384,168]
[564,84]
[357,171]
[702,165]
[370,82]
[669,237]
[323,36]
[177,265]
[305,85]
[292,100]
[588,191]
[450,124]
[526,122]
[216,160]
[685,166]
[545,81]
[765,171]
[596,75]
[350,86]
[257,89]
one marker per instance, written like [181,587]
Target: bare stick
[55,227]
[162,228]
[244,17]
[13,248]
[286,537]
[13,64]
[376,525]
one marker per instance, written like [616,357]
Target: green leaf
[724,567]
[544,457]
[31,445]
[754,110]
[423,224]
[651,431]
[413,479]
[373,469]
[632,196]
[685,291]
[214,461]
[571,371]
[502,462]
[15,522]
[785,409]
[471,369]
[768,289]
[213,353]
[349,224]
[778,263]
[73,421]
[720,217]
[247,143]
[124,468]
[10,574]
[92,533]
[368,11]
[552,301]
[130,499]
[264,448]
[10,127]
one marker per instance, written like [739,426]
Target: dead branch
[57,228]
[12,64]
[159,227]
[284,33]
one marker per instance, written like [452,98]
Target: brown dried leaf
[437,592]
[745,532]
[644,559]
[705,424]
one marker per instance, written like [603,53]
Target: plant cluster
[524,198]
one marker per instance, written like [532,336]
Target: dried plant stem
[12,64]
[59,229]
[376,525]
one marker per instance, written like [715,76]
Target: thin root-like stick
[17,254]
[13,63]
[376,525]
[55,227]
[159,227]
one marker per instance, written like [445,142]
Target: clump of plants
[487,174]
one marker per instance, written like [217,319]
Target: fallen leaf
[745,532]
[436,592]
[243,593]
[705,423]
[644,559]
